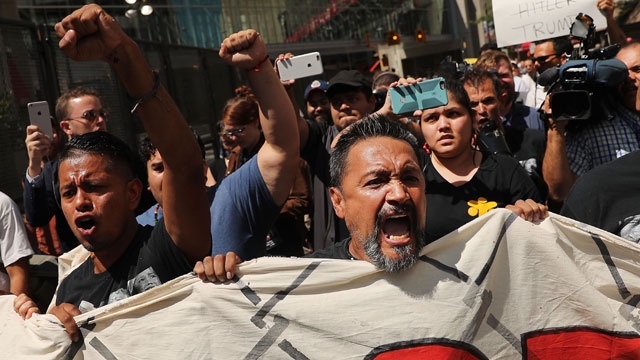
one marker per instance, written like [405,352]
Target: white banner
[520,21]
[498,288]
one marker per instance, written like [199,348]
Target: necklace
[155,214]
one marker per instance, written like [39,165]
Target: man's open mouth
[397,229]
[85,224]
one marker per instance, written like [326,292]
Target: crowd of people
[343,176]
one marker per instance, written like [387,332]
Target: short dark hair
[561,45]
[384,78]
[455,89]
[488,46]
[62,103]
[104,144]
[146,149]
[475,77]
[374,125]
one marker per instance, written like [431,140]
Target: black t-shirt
[608,197]
[528,146]
[499,181]
[151,259]
[339,250]
[327,227]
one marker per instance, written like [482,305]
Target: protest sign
[520,21]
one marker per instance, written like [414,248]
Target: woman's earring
[426,148]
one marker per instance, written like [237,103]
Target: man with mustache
[377,187]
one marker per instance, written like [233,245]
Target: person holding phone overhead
[462,181]
[351,99]
[79,111]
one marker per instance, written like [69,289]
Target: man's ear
[134,193]
[504,99]
[338,201]
[64,125]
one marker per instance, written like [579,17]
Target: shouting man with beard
[377,187]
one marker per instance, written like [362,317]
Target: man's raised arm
[278,157]
[91,34]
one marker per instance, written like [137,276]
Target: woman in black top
[462,182]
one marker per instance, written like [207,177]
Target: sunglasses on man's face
[92,115]
[543,59]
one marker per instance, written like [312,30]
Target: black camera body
[579,86]
[582,81]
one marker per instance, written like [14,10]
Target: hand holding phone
[39,115]
[300,66]
[426,94]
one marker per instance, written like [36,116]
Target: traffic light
[393,37]
[421,36]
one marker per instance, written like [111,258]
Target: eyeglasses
[92,115]
[233,132]
[543,59]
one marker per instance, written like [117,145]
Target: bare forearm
[278,157]
[303,128]
[19,276]
[185,205]
[555,167]
[279,123]
[160,115]
[616,34]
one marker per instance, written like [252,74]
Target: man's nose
[82,201]
[397,192]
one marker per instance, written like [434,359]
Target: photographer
[574,147]
[525,145]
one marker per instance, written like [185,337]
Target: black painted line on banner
[247,291]
[470,333]
[504,332]
[75,346]
[445,268]
[635,299]
[257,319]
[280,324]
[615,274]
[487,266]
[294,353]
[102,349]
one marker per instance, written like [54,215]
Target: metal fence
[32,68]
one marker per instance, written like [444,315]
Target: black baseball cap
[348,78]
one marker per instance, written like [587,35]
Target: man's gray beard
[407,255]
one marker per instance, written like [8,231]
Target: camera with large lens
[491,139]
[578,87]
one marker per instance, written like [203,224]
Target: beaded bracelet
[150,95]
[257,67]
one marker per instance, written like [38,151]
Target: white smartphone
[300,66]
[39,115]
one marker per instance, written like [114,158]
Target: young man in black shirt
[100,187]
